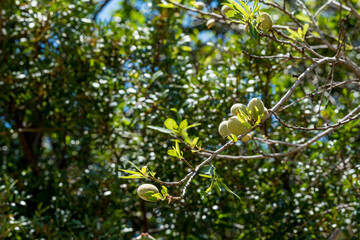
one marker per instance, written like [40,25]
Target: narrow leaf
[132,176]
[137,168]
[228,189]
[131,172]
[205,176]
[306,27]
[160,129]
[193,125]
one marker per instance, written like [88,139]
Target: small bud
[247,137]
[225,9]
[210,23]
[200,5]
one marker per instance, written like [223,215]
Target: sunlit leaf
[171,124]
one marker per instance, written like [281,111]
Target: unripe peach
[255,102]
[266,21]
[223,129]
[144,188]
[236,127]
[237,107]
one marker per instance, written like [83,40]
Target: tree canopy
[90,110]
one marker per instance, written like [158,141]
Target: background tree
[80,98]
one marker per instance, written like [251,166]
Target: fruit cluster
[243,117]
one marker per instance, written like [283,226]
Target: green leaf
[256,9]
[156,75]
[238,7]
[166,5]
[208,170]
[209,188]
[254,34]
[306,27]
[243,121]
[300,32]
[171,124]
[158,196]
[164,191]
[133,176]
[193,125]
[230,13]
[131,172]
[228,189]
[303,18]
[205,176]
[183,125]
[160,129]
[137,168]
[258,120]
[234,138]
[294,35]
[194,142]
[172,152]
[346,184]
[150,196]
[186,48]
[245,7]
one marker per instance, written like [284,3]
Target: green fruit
[200,5]
[225,9]
[144,188]
[247,137]
[266,21]
[255,102]
[223,129]
[236,107]
[210,23]
[236,127]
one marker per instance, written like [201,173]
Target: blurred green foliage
[77,97]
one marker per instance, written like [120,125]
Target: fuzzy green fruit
[223,129]
[255,102]
[225,9]
[247,137]
[144,188]
[200,5]
[236,127]
[210,23]
[266,21]
[236,107]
